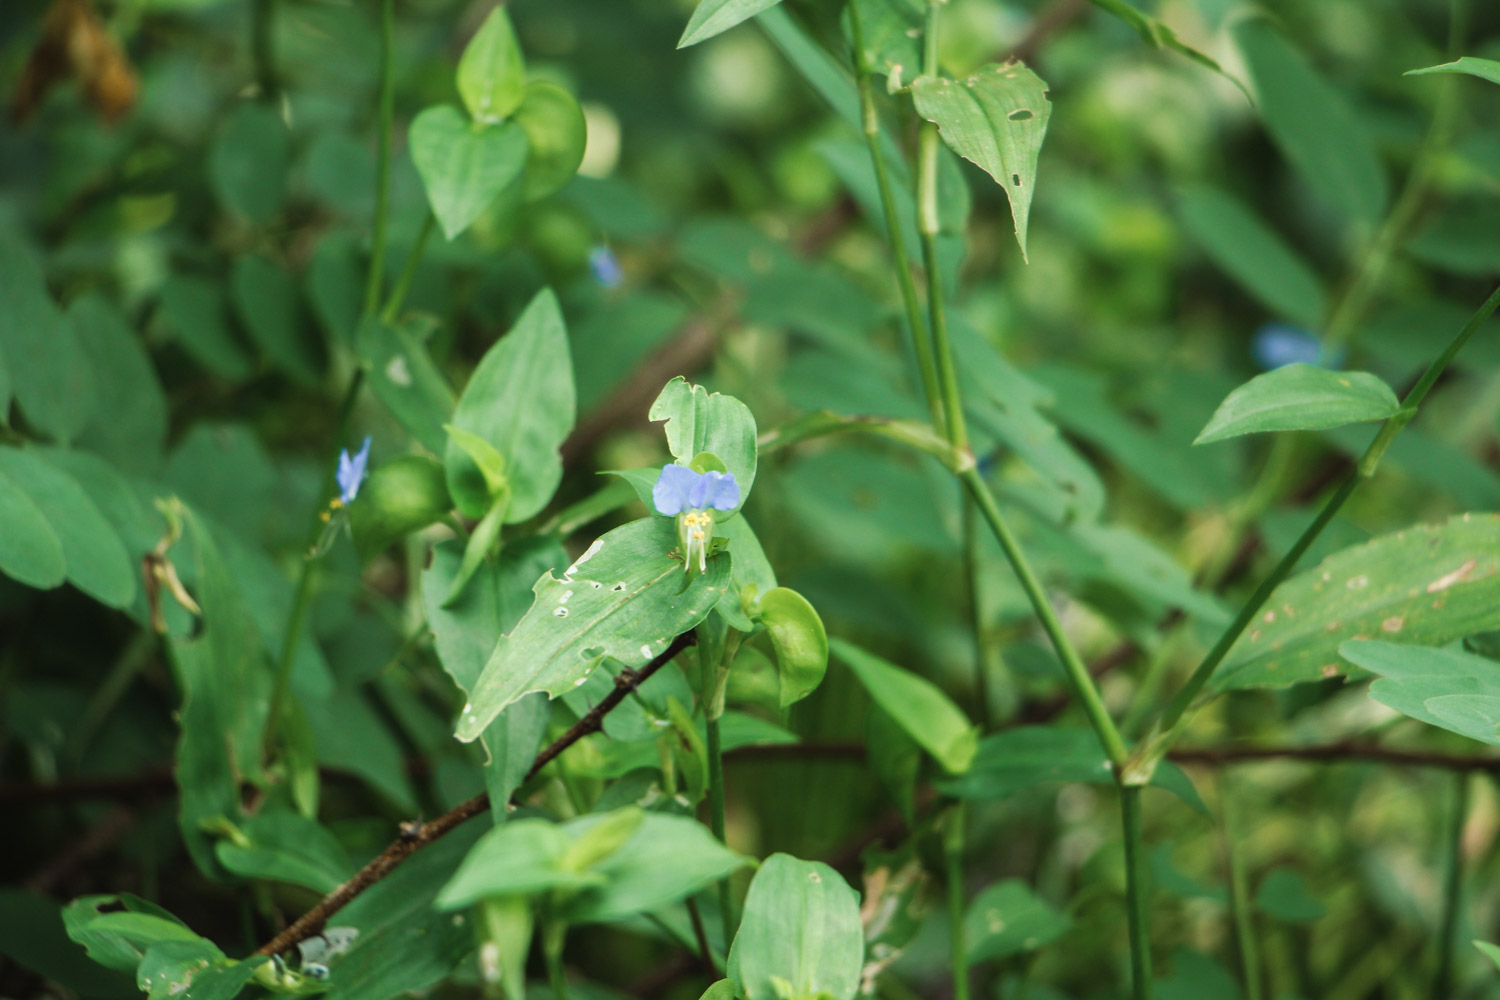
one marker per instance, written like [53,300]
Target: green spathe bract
[699,421]
[623,598]
[800,935]
[464,165]
[492,73]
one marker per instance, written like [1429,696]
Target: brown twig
[417,836]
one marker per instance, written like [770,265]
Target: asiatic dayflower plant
[690,496]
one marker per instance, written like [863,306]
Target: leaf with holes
[626,597]
[1300,397]
[996,118]
[1426,585]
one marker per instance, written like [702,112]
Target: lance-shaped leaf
[521,401]
[1300,397]
[715,16]
[699,421]
[1485,69]
[996,118]
[626,598]
[492,72]
[1426,585]
[918,706]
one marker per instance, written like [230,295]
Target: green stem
[709,679]
[262,45]
[921,341]
[1137,891]
[1453,887]
[387,114]
[408,271]
[1364,470]
[953,851]
[1077,670]
[976,611]
[928,225]
[1239,896]
[553,936]
[303,597]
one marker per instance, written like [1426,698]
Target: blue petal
[1277,344]
[722,492]
[606,267]
[351,471]
[672,489]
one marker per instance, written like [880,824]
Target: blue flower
[1277,344]
[606,267]
[679,489]
[352,471]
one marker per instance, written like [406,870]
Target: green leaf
[1446,688]
[713,17]
[119,937]
[751,568]
[1252,253]
[918,705]
[225,684]
[193,970]
[724,989]
[1031,756]
[483,544]
[624,598]
[96,560]
[50,373]
[520,400]
[1157,35]
[130,420]
[401,373]
[520,858]
[30,550]
[556,133]
[492,71]
[403,495]
[284,846]
[1485,69]
[196,313]
[666,859]
[464,166]
[1312,124]
[1284,895]
[490,462]
[1489,951]
[800,640]
[247,164]
[1300,397]
[1427,585]
[895,758]
[33,936]
[1009,919]
[891,30]
[269,304]
[699,421]
[404,942]
[801,926]
[996,118]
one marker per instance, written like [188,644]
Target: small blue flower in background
[606,267]
[1277,344]
[679,488]
[352,472]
